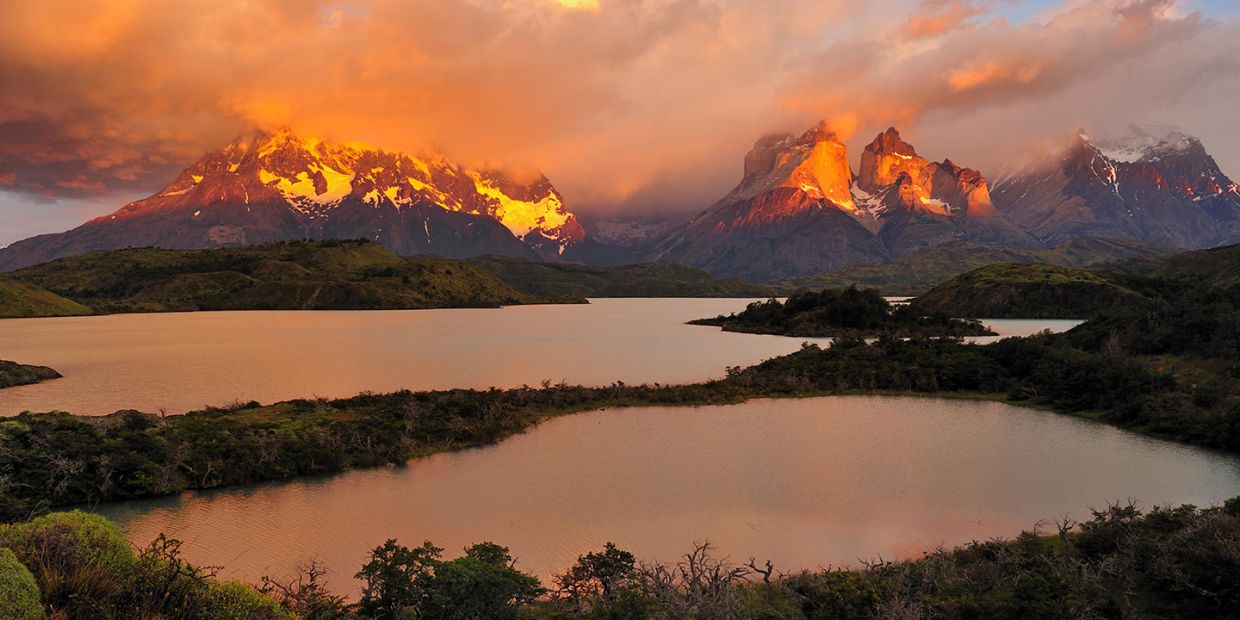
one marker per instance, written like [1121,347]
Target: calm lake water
[806,483]
[183,361]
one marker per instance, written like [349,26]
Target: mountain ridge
[281,186]
[799,209]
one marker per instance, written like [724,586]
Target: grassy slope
[643,280]
[922,270]
[334,275]
[12,373]
[1023,290]
[23,299]
[1214,267]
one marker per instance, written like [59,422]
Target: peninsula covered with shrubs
[849,312]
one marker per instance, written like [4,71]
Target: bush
[19,594]
[233,600]
[74,557]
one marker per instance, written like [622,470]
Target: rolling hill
[1029,291]
[643,280]
[324,275]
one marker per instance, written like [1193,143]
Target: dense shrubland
[1181,562]
[842,313]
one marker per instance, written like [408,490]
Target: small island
[842,313]
[13,374]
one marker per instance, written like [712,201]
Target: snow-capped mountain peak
[314,176]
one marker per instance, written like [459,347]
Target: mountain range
[282,186]
[1161,187]
[798,210]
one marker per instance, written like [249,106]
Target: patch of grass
[22,299]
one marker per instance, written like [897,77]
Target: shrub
[233,600]
[74,557]
[19,594]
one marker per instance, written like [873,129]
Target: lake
[805,483]
[182,361]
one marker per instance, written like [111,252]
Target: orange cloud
[937,17]
[636,104]
[976,74]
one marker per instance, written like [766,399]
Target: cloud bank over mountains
[625,105]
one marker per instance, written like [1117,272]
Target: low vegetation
[643,280]
[1181,562]
[848,312]
[12,374]
[922,270]
[1031,291]
[302,275]
[1214,267]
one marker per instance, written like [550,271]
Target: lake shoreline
[646,396]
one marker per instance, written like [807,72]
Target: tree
[484,583]
[396,579]
[596,576]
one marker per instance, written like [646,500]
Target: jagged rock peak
[885,158]
[890,141]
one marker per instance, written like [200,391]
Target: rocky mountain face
[800,210]
[281,186]
[1160,187]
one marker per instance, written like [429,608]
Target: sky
[628,106]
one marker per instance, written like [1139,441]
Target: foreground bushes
[1179,562]
[19,593]
[84,568]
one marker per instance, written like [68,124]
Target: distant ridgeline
[924,269]
[842,313]
[640,280]
[291,275]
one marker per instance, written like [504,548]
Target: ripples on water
[804,482]
[183,361]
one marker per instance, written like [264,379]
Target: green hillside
[323,275]
[922,270]
[644,280]
[1215,267]
[22,299]
[1024,290]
